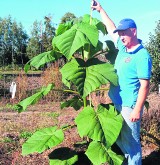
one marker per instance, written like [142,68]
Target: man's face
[127,36]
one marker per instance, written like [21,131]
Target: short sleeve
[144,66]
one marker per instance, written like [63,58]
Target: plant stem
[100,89]
[75,92]
[85,101]
[67,90]
[101,52]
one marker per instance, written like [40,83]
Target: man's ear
[134,30]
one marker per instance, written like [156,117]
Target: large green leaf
[76,37]
[104,124]
[70,41]
[42,59]
[117,159]
[102,28]
[70,69]
[111,51]
[99,154]
[89,75]
[95,22]
[63,156]
[42,140]
[34,98]
[90,50]
[63,27]
[90,31]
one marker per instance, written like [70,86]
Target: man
[133,67]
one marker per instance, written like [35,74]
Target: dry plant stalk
[22,86]
[52,75]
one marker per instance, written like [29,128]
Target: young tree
[154,49]
[81,76]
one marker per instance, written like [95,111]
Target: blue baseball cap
[125,24]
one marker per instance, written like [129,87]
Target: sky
[146,13]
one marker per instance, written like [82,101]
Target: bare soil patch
[13,125]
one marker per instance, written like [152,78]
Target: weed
[53,114]
[7,140]
[25,135]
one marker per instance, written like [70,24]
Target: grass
[35,118]
[16,128]
[25,134]
[6,107]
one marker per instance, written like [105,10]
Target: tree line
[153,46]
[17,47]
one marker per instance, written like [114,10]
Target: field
[16,128]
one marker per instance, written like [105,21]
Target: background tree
[48,34]
[41,37]
[33,47]
[154,49]
[67,17]
[13,41]
[16,47]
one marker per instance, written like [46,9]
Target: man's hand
[95,5]
[134,116]
[142,95]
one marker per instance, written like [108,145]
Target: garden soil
[14,127]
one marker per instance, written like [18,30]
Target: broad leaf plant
[82,74]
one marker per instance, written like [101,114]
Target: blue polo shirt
[130,67]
